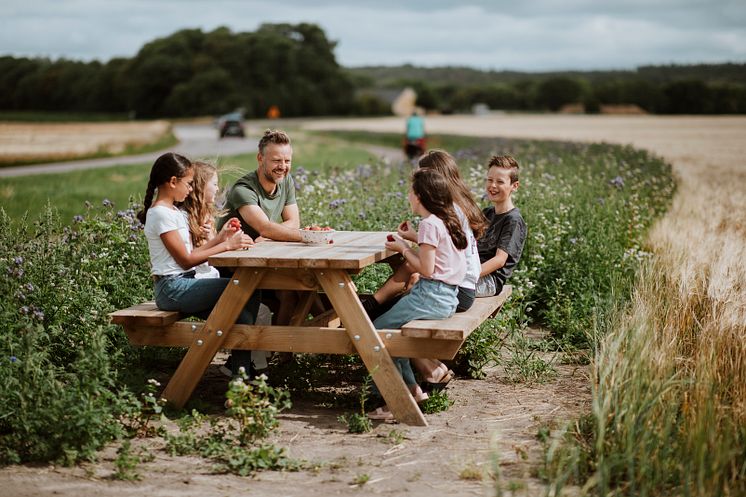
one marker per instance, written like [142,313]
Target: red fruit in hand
[390,238]
[331,241]
[404,226]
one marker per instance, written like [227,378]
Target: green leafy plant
[436,402]
[359,422]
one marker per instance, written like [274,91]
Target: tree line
[293,67]
[191,73]
[694,89]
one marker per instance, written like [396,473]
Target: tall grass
[669,400]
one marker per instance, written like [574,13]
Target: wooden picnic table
[308,268]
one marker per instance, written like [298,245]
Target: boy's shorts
[487,286]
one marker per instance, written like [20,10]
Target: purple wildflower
[78,218]
[617,182]
[13,358]
[24,309]
[107,203]
[18,260]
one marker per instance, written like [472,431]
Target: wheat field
[26,142]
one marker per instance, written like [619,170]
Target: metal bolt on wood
[194,327]
[341,285]
[235,282]
[219,333]
[376,348]
[356,337]
[200,342]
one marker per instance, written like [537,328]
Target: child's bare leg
[432,370]
[395,285]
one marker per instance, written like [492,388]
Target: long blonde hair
[445,164]
[198,210]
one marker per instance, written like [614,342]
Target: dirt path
[437,459]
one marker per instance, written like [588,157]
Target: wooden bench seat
[145,324]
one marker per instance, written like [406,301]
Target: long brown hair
[445,164]
[198,211]
[432,190]
[164,168]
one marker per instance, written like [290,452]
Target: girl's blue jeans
[428,299]
[197,297]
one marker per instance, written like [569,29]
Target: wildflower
[29,287]
[18,260]
[154,382]
[241,370]
[361,215]
[78,218]
[88,205]
[336,203]
[133,238]
[38,314]
[107,203]
[122,214]
[13,358]
[573,240]
[617,182]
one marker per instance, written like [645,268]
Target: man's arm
[291,216]
[491,265]
[254,216]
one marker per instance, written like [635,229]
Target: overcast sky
[529,35]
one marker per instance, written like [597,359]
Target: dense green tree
[553,93]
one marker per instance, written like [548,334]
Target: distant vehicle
[231,125]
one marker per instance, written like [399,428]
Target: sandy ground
[490,419]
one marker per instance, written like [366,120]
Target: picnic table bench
[343,329]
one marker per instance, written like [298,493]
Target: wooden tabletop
[352,250]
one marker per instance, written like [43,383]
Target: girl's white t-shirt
[473,266]
[450,266]
[161,219]
[203,270]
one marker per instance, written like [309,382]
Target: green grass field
[68,192]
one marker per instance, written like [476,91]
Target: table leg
[212,335]
[305,300]
[338,287]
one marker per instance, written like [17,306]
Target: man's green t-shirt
[248,191]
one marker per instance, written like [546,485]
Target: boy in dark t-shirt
[501,245]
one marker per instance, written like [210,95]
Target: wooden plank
[372,350]
[328,319]
[299,339]
[145,314]
[302,309]
[289,279]
[351,250]
[461,324]
[210,337]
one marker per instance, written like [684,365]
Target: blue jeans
[197,297]
[428,299]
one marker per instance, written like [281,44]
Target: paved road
[196,141]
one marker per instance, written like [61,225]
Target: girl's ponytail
[147,202]
[164,168]
[434,193]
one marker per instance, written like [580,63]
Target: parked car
[231,125]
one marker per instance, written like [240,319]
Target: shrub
[59,398]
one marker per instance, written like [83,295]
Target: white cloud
[532,35]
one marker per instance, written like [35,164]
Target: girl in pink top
[439,260]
